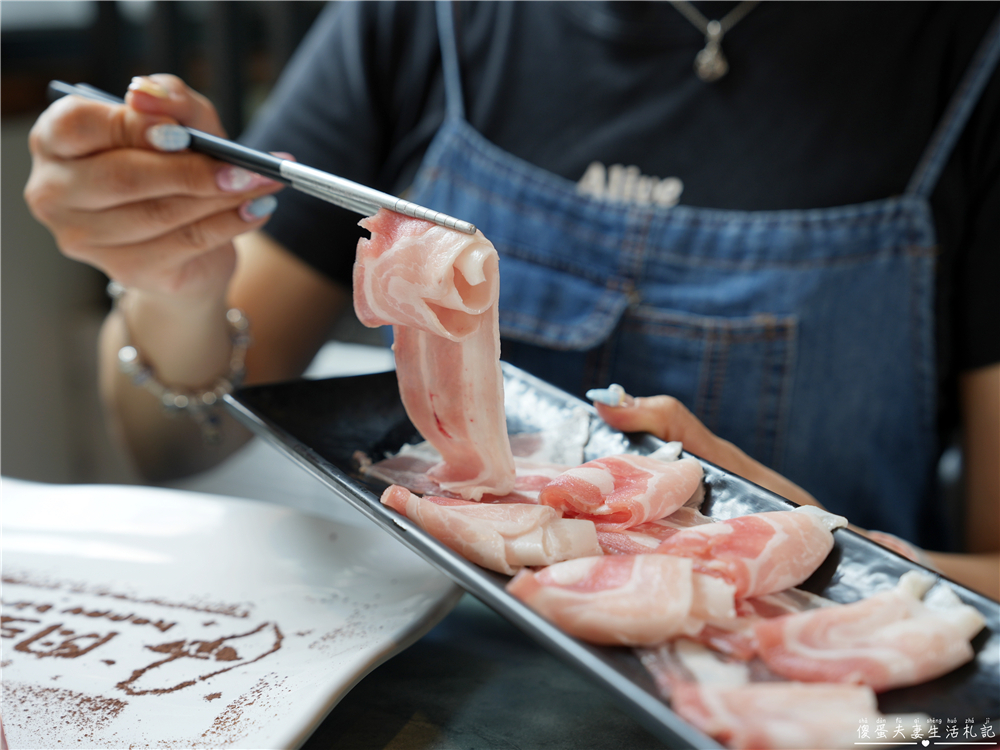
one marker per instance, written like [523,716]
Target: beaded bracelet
[199,405]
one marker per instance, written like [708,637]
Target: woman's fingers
[142,221]
[118,188]
[115,178]
[669,419]
[155,263]
[73,127]
[168,95]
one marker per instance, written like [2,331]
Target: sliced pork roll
[889,640]
[626,600]
[439,288]
[619,492]
[761,553]
[500,536]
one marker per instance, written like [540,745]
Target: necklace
[710,64]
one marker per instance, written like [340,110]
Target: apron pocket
[543,306]
[735,374]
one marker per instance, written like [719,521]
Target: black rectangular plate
[322,423]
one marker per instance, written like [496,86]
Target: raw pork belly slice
[646,537]
[684,661]
[891,639]
[438,289]
[744,707]
[626,600]
[411,467]
[761,553]
[501,537]
[618,492]
[737,637]
[779,715]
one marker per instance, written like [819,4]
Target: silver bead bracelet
[199,405]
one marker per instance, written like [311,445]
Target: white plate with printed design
[139,617]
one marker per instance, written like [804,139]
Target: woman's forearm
[188,346]
[979,572]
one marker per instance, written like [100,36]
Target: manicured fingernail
[168,137]
[258,208]
[148,86]
[237,179]
[613,395]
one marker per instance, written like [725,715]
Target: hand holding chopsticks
[331,188]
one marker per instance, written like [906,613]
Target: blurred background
[52,307]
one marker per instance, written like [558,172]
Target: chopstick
[323,185]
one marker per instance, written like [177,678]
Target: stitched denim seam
[921,341]
[908,251]
[689,325]
[791,340]
[702,401]
[774,372]
[718,376]
[633,248]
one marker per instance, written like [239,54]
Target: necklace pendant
[710,64]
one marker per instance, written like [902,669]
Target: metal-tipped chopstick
[323,185]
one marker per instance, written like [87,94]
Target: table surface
[476,681]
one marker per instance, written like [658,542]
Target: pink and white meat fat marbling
[500,536]
[779,715]
[619,492]
[438,288]
[625,600]
[889,640]
[761,553]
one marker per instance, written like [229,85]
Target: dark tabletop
[475,682]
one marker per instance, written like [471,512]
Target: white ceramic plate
[139,617]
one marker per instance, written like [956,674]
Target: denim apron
[805,337]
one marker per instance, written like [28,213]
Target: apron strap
[959,110]
[454,101]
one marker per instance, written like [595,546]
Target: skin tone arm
[291,308]
[669,419]
[162,222]
[980,569]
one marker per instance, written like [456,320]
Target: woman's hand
[669,419]
[117,189]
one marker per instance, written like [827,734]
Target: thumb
[74,127]
[168,95]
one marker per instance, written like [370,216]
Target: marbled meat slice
[891,639]
[627,600]
[646,537]
[761,553]
[500,536]
[619,492]
[438,288]
[779,715]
